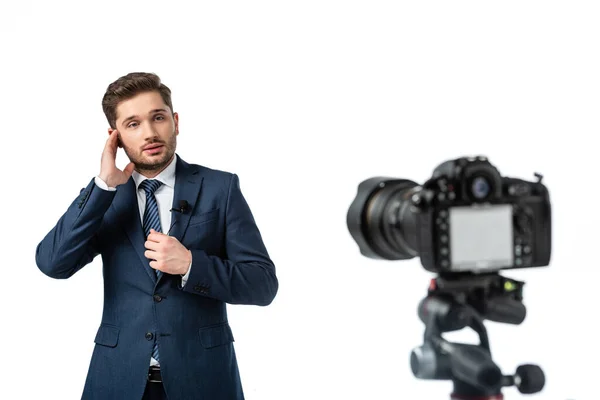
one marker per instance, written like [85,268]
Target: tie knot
[150,185]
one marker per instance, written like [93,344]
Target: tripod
[456,302]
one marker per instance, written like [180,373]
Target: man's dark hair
[129,86]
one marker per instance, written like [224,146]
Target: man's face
[147,131]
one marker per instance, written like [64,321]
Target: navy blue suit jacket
[230,264]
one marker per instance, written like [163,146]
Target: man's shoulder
[212,175]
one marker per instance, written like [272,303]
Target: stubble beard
[142,163]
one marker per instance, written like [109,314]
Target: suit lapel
[126,205]
[187,187]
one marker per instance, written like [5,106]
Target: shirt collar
[166,176]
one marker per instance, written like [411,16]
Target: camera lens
[480,188]
[380,220]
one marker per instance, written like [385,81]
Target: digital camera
[466,218]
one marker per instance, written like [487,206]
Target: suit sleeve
[73,241]
[247,274]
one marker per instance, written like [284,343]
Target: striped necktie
[151,221]
[151,216]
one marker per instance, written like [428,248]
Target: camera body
[466,218]
[470,218]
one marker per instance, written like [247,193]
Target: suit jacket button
[149,336]
[157,298]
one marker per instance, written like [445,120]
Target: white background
[304,100]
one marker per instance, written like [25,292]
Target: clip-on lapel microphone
[184,207]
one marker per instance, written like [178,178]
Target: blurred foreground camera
[466,218]
[466,224]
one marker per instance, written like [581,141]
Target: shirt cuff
[102,185]
[185,277]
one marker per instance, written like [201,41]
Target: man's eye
[160,116]
[131,125]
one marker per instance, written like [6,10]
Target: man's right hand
[109,172]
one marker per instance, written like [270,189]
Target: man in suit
[178,242]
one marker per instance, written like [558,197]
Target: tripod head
[455,302]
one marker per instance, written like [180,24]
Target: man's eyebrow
[156,110]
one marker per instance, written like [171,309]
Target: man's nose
[148,130]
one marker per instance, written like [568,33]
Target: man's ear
[176,119]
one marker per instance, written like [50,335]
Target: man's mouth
[153,149]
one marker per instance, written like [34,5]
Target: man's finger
[154,264]
[150,245]
[163,237]
[111,137]
[151,254]
[155,236]
[129,169]
[111,143]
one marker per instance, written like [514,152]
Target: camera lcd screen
[481,237]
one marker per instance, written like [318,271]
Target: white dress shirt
[164,198]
